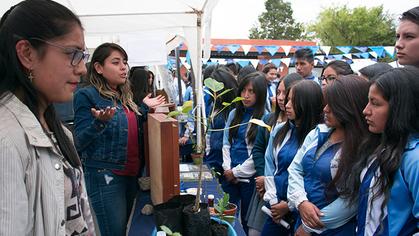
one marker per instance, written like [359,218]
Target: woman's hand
[301,232]
[103,115]
[310,214]
[279,210]
[153,102]
[183,140]
[228,174]
[260,185]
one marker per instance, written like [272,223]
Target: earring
[30,76]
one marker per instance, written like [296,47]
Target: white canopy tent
[148,30]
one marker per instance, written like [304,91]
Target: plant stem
[198,191]
[234,126]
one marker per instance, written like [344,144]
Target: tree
[339,26]
[277,22]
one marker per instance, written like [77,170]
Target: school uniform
[401,213]
[310,174]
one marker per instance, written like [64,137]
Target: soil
[218,229]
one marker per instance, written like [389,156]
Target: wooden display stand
[163,139]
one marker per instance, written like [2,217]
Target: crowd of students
[342,157]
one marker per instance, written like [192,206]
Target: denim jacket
[101,144]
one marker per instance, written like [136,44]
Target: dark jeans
[112,197]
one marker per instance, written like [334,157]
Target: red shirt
[133,159]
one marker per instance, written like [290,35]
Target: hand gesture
[103,114]
[228,174]
[310,214]
[183,140]
[153,102]
[279,210]
[260,185]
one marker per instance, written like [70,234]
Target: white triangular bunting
[286,49]
[286,61]
[326,49]
[389,50]
[321,58]
[246,48]
[254,62]
[374,54]
[348,55]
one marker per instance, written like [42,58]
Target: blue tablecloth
[144,225]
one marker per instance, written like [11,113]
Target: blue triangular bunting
[259,49]
[276,62]
[243,63]
[272,49]
[338,56]
[344,49]
[361,49]
[378,49]
[263,61]
[233,48]
[219,48]
[314,49]
[365,55]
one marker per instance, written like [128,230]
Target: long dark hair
[28,19]
[123,93]
[288,81]
[223,75]
[347,98]
[307,101]
[399,87]
[341,67]
[258,81]
[138,80]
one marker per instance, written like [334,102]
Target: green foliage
[361,26]
[277,23]
[169,232]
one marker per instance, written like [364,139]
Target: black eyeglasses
[77,54]
[328,78]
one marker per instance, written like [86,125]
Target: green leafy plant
[169,232]
[215,90]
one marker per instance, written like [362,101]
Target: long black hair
[139,83]
[288,81]
[223,75]
[347,98]
[341,67]
[307,101]
[258,81]
[399,87]
[28,19]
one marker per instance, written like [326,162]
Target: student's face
[407,44]
[55,78]
[280,95]
[248,95]
[271,75]
[114,69]
[376,111]
[304,67]
[329,74]
[289,108]
[329,118]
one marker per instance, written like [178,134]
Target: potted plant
[215,90]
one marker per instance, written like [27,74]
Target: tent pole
[179,82]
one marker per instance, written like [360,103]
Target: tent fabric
[144,27]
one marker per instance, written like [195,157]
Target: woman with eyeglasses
[407,34]
[107,125]
[42,183]
[332,70]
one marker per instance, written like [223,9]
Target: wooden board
[163,139]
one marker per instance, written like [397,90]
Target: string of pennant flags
[321,53]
